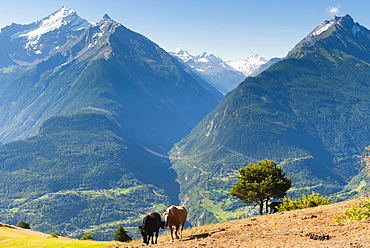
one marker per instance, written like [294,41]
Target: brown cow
[150,225]
[175,216]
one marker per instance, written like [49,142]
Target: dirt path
[313,227]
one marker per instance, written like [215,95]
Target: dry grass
[288,229]
[12,236]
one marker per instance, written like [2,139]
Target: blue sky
[230,29]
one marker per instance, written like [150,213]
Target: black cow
[150,225]
[273,207]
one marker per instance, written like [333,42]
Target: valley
[103,126]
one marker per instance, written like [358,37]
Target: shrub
[87,236]
[312,200]
[361,211]
[24,225]
[54,235]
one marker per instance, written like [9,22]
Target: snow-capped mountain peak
[249,65]
[182,54]
[224,76]
[63,17]
[343,29]
[37,40]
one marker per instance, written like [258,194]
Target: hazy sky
[230,29]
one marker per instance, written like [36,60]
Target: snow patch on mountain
[323,27]
[64,16]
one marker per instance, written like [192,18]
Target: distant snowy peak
[203,57]
[64,17]
[27,43]
[205,61]
[249,65]
[223,75]
[182,54]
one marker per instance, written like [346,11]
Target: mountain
[212,68]
[223,75]
[253,65]
[38,40]
[105,48]
[308,112]
[86,124]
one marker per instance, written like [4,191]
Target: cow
[274,206]
[150,225]
[175,216]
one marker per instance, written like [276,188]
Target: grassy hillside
[12,236]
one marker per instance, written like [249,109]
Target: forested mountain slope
[309,112]
[80,128]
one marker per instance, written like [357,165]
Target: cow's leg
[156,236]
[171,233]
[152,235]
[177,232]
[147,239]
[182,227]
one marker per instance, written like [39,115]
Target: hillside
[287,229]
[13,236]
[308,112]
[86,175]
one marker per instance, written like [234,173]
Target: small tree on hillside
[87,236]
[121,235]
[24,225]
[258,183]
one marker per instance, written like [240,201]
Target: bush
[87,236]
[24,225]
[361,211]
[54,235]
[310,201]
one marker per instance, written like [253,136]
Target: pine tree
[121,235]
